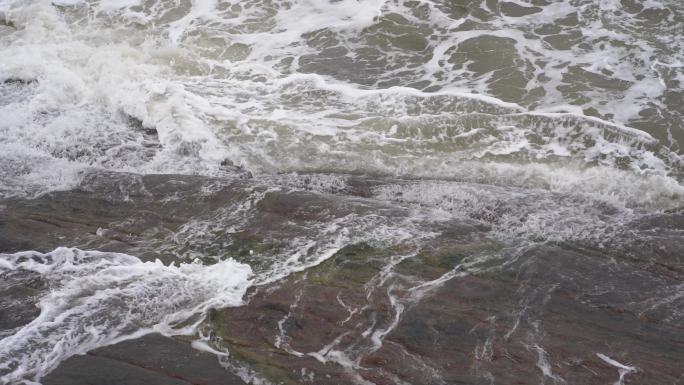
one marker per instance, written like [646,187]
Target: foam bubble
[97,299]
[248,83]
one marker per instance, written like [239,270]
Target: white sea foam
[514,214]
[97,299]
[218,82]
[623,370]
[27,171]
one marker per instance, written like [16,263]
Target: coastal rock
[455,306]
[150,360]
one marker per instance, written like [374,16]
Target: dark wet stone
[149,360]
[19,81]
[19,292]
[149,133]
[237,170]
[500,320]
[113,212]
[496,327]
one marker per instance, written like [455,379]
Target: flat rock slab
[458,307]
[150,360]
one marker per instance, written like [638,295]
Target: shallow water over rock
[445,295]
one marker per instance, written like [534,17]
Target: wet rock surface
[541,321]
[149,360]
[457,306]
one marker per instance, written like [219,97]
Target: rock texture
[150,360]
[458,307]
